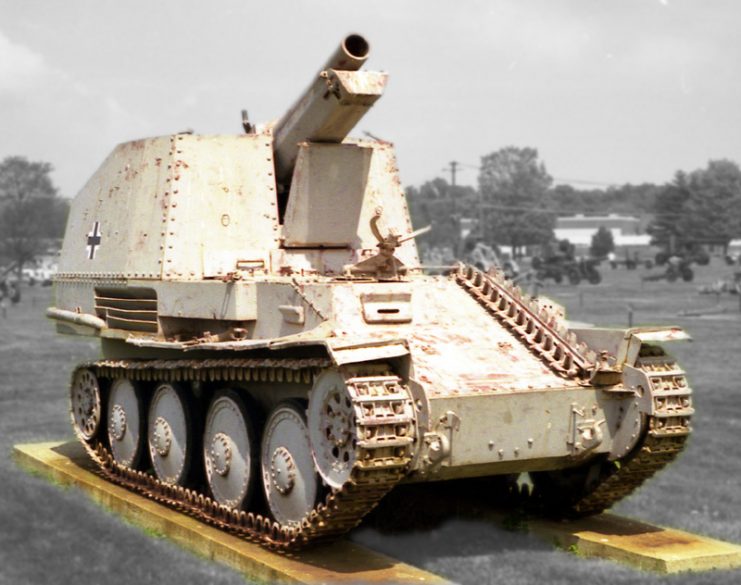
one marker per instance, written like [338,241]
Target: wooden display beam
[640,545]
[340,561]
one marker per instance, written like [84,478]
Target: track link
[380,463]
[538,326]
[664,439]
[547,335]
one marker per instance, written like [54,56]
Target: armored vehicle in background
[274,359]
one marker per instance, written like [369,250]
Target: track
[546,334]
[385,426]
[664,438]
[382,405]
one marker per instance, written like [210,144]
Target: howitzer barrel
[350,55]
[331,106]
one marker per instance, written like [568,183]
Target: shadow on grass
[439,511]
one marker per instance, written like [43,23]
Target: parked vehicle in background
[40,275]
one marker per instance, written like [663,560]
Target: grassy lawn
[52,534]
[701,492]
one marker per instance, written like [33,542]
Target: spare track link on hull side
[539,327]
[374,474]
[664,438]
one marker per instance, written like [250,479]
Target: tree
[21,179]
[31,214]
[714,204]
[441,205]
[670,211]
[513,184]
[602,243]
[703,206]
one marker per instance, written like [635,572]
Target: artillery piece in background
[562,263]
[274,359]
[678,255]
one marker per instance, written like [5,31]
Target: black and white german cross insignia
[94,239]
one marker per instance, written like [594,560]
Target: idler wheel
[85,404]
[331,419]
[170,433]
[230,450]
[126,423]
[292,485]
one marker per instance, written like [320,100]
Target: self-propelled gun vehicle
[275,359]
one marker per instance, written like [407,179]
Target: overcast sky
[607,91]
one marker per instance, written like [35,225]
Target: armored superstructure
[275,360]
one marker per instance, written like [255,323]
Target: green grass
[60,535]
[57,535]
[698,493]
[152,532]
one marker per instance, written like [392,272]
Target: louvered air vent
[132,309]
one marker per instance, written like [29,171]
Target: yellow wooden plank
[341,561]
[641,545]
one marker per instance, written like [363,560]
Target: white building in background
[626,232]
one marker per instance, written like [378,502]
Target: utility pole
[453,170]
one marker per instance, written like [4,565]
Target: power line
[557,179]
[586,182]
[571,212]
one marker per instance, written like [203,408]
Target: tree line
[32,214]
[516,204]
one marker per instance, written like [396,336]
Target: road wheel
[230,450]
[574,277]
[126,423]
[170,433]
[292,484]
